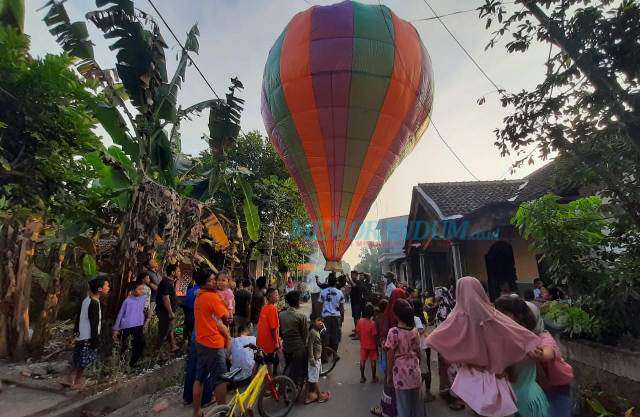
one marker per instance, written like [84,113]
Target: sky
[235,38]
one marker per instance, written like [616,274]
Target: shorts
[210,364]
[313,375]
[356,311]
[368,355]
[83,354]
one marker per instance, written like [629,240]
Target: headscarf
[445,305]
[475,333]
[390,319]
[536,313]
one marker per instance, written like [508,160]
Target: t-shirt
[229,299]
[155,279]
[242,357]
[267,322]
[404,346]
[166,287]
[207,309]
[243,301]
[294,328]
[390,287]
[331,299]
[366,331]
[557,372]
[314,346]
[356,294]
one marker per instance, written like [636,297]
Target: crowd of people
[494,358]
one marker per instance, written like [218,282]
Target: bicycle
[279,392]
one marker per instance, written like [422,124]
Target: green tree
[586,108]
[369,255]
[46,126]
[582,255]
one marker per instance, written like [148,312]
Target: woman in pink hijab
[484,342]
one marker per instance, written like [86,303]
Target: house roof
[458,199]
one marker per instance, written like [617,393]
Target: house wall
[474,251]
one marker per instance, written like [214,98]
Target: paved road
[350,398]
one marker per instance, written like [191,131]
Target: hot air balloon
[346,95]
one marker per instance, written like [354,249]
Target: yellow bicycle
[275,396]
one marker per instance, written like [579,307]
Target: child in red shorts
[366,331]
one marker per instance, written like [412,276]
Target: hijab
[475,333]
[446,303]
[390,319]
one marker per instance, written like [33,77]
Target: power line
[183,49]
[462,47]
[452,151]
[453,13]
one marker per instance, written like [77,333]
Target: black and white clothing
[88,323]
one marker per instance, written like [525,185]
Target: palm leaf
[12,13]
[251,216]
[112,121]
[72,37]
[168,93]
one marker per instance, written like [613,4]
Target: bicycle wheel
[287,392]
[222,410]
[329,360]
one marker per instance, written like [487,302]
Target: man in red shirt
[268,338]
[210,315]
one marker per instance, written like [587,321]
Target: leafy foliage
[369,255]
[584,254]
[586,107]
[12,13]
[573,321]
[46,119]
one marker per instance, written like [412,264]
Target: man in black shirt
[243,304]
[166,305]
[356,300]
[257,299]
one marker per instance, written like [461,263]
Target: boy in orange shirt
[268,330]
[212,336]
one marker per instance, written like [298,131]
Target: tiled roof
[461,198]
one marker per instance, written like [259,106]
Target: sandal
[308,401]
[376,411]
[363,380]
[327,397]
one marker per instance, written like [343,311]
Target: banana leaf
[251,216]
[113,122]
[12,13]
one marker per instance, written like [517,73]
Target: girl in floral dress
[403,358]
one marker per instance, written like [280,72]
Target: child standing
[129,323]
[366,331]
[145,279]
[403,358]
[554,374]
[87,330]
[314,346]
[268,338]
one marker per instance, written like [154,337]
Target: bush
[572,320]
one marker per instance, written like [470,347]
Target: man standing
[243,304]
[294,330]
[210,314]
[332,301]
[166,306]
[391,283]
[268,338]
[151,269]
[356,300]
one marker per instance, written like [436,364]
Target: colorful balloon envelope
[346,95]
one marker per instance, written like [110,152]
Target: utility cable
[462,47]
[183,49]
